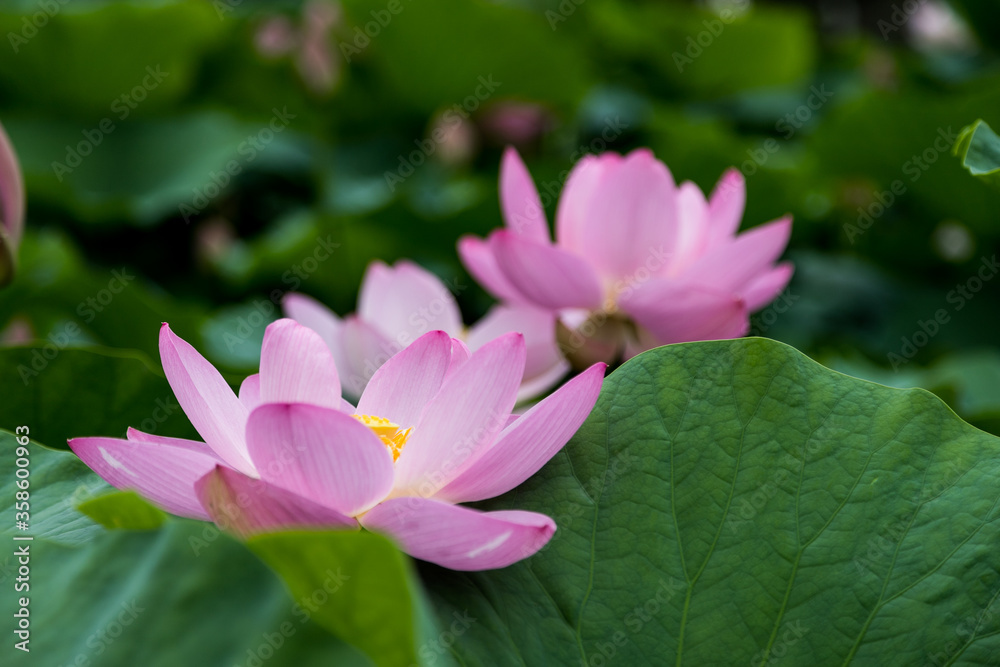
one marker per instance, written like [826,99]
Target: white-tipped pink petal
[11,206]
[405,301]
[630,217]
[311,313]
[544,365]
[477,257]
[460,538]
[674,312]
[404,384]
[468,412]
[250,391]
[763,289]
[365,350]
[248,506]
[522,209]
[321,454]
[547,276]
[573,211]
[526,445]
[162,473]
[732,265]
[725,207]
[296,366]
[207,400]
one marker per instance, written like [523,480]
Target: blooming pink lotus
[11,207]
[638,261]
[399,303]
[432,429]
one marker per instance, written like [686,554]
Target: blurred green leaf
[979,148]
[363,585]
[62,393]
[124,510]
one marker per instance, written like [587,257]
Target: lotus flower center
[389,433]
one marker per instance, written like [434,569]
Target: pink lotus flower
[11,208]
[638,261]
[432,429]
[397,304]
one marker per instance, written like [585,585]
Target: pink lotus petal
[296,367]
[675,312]
[404,384]
[725,207]
[365,350]
[690,232]
[545,364]
[522,209]
[406,301]
[526,445]
[162,473]
[321,454]
[11,203]
[466,414]
[547,276]
[460,538]
[477,257]
[311,313]
[631,217]
[248,506]
[573,211]
[250,391]
[460,353]
[135,435]
[731,266]
[207,400]
[763,289]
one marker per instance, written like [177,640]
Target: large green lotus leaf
[103,51]
[700,53]
[65,393]
[148,170]
[978,146]
[56,482]
[734,502]
[446,53]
